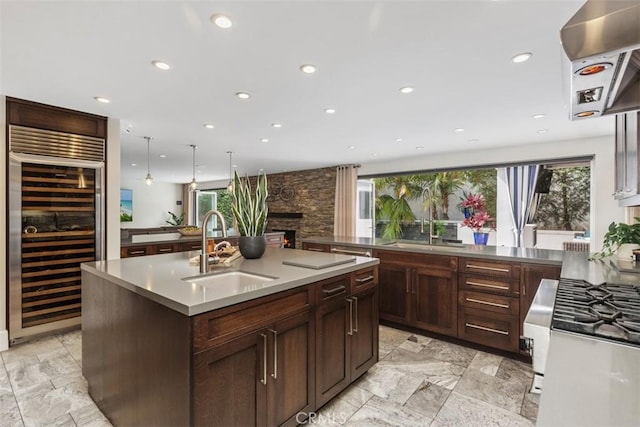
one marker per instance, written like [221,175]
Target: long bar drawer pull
[350,316]
[315,249]
[355,299]
[136,253]
[484,328]
[482,267]
[264,359]
[275,354]
[493,304]
[166,249]
[486,285]
[348,252]
[364,279]
[334,291]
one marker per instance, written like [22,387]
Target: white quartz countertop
[168,279]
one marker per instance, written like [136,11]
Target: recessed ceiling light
[264,140]
[162,156]
[537,116]
[222,21]
[351,147]
[208,126]
[308,68]
[161,65]
[399,139]
[276,125]
[243,95]
[374,154]
[521,57]
[235,166]
[473,140]
[134,164]
[406,89]
[102,99]
[330,110]
[543,131]
[458,130]
[419,147]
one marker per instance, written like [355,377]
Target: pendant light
[194,184]
[148,179]
[230,185]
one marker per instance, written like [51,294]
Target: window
[218,199]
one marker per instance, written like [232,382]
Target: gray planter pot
[252,247]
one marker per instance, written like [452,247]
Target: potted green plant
[620,239]
[175,219]
[250,212]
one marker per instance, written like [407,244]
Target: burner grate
[609,310]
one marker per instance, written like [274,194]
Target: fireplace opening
[289,240]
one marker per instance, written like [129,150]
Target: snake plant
[250,210]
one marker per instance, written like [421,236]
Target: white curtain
[344,218]
[521,183]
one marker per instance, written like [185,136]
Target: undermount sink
[425,246]
[238,279]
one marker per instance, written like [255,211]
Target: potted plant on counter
[477,218]
[250,212]
[620,239]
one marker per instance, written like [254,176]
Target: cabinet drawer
[490,268]
[330,289]
[166,248]
[477,283]
[488,328]
[222,325]
[364,279]
[494,303]
[316,247]
[412,259]
[132,251]
[191,246]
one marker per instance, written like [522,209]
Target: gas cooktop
[608,310]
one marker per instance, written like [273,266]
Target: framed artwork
[126,205]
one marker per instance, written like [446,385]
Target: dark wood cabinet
[489,302]
[434,301]
[347,332]
[530,279]
[419,290]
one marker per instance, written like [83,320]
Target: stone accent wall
[314,197]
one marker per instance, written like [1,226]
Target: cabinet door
[394,287]
[291,362]
[435,300]
[230,382]
[316,247]
[332,349]
[532,274]
[364,328]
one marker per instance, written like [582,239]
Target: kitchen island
[260,342]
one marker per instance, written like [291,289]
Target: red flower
[478,220]
[474,201]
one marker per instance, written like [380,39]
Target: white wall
[604,208]
[151,203]
[112,205]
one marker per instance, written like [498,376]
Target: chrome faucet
[204,261]
[427,195]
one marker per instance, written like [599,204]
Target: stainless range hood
[602,41]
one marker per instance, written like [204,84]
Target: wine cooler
[55,224]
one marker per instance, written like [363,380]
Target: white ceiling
[455,53]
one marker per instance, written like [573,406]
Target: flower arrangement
[476,215]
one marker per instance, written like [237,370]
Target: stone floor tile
[428,399]
[89,416]
[447,352]
[336,412]
[5,384]
[512,370]
[71,337]
[42,403]
[496,391]
[381,412]
[390,383]
[355,395]
[423,365]
[9,412]
[411,346]
[461,410]
[530,405]
[486,363]
[31,350]
[51,369]
[389,339]
[63,420]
